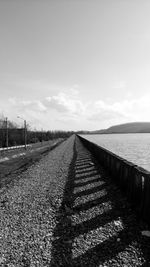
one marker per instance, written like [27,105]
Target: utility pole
[25,134]
[6,132]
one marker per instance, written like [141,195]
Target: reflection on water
[133,147]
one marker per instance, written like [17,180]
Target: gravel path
[96,225]
[65,211]
[28,209]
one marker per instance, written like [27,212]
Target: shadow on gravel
[62,244]
[96,226]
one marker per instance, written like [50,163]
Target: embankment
[132,179]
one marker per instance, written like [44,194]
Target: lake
[133,147]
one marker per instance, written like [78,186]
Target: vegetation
[16,135]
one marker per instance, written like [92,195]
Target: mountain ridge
[130,127]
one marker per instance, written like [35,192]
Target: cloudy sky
[75,64]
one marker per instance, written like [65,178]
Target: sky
[75,64]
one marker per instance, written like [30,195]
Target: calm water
[133,147]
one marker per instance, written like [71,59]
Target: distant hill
[132,127]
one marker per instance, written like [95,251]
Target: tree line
[12,135]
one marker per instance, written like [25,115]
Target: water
[133,147]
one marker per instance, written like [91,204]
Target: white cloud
[137,109]
[67,111]
[66,103]
[19,105]
[36,106]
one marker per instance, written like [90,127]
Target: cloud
[137,109]
[32,111]
[22,105]
[66,110]
[66,103]
[106,115]
[36,105]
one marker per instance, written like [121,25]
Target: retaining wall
[132,179]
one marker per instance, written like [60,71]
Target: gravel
[99,226]
[28,209]
[65,211]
